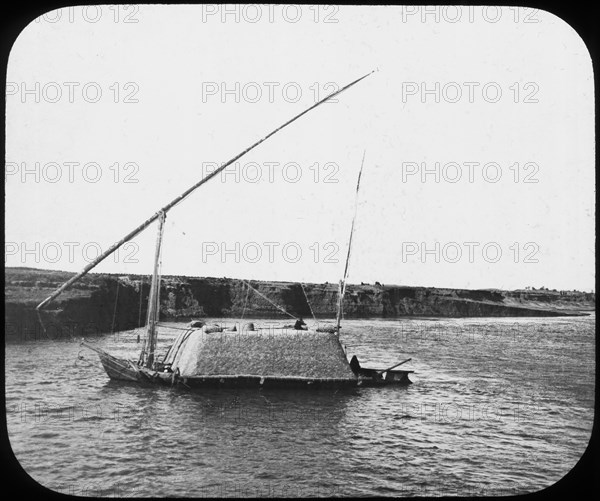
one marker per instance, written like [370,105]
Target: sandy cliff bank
[117,302]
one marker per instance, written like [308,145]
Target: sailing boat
[199,357]
[145,369]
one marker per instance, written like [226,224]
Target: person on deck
[300,325]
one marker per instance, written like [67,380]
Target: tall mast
[342,284]
[147,354]
[340,300]
[175,201]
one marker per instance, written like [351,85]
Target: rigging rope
[245,303]
[112,329]
[309,306]
[141,290]
[262,295]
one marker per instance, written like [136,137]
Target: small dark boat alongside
[380,377]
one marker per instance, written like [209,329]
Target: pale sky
[478,127]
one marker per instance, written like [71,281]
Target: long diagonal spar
[184,195]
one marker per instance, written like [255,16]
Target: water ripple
[499,406]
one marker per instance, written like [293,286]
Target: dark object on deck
[197,323]
[211,329]
[300,325]
[355,365]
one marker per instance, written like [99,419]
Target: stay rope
[265,297]
[112,329]
[141,291]
[308,303]
[245,304]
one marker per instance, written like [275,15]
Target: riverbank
[117,302]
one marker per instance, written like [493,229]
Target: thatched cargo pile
[265,353]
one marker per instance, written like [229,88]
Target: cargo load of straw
[265,352]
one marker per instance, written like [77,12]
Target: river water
[499,406]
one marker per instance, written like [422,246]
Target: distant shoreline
[114,300]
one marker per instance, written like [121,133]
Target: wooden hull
[119,369]
[124,370]
[250,381]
